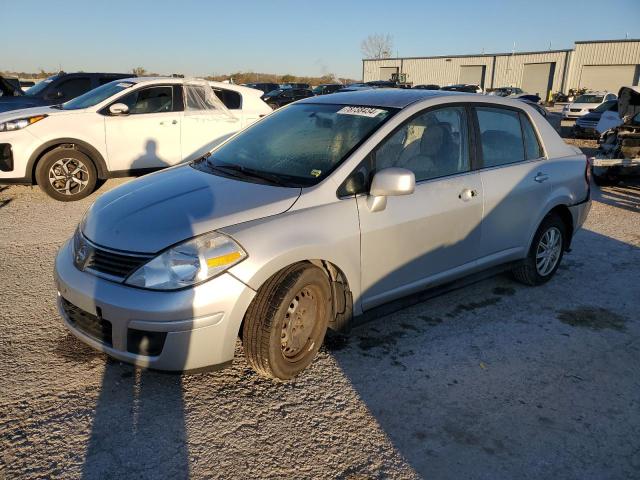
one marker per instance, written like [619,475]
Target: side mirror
[118,109]
[389,182]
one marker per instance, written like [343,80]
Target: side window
[500,136]
[434,144]
[532,148]
[232,100]
[74,87]
[149,100]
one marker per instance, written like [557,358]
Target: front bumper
[22,144]
[201,323]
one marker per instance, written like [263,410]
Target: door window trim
[480,164]
[471,140]
[105,110]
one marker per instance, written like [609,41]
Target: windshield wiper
[249,172]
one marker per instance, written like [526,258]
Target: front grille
[114,264]
[89,324]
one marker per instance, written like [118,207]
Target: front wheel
[66,174]
[545,253]
[286,323]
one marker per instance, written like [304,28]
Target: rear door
[434,232]
[515,180]
[149,136]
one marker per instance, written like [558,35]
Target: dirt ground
[492,381]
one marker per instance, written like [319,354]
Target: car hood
[28,112]
[8,103]
[628,102]
[164,208]
[591,116]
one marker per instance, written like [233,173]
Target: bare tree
[139,71]
[377,46]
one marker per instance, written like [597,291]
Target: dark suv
[266,87]
[58,89]
[284,96]
[327,88]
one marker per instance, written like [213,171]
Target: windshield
[275,93]
[97,95]
[301,144]
[39,87]
[589,99]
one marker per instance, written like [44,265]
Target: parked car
[586,103]
[327,88]
[316,214]
[585,126]
[429,86]
[10,87]
[266,87]
[354,87]
[58,89]
[284,96]
[554,119]
[382,84]
[121,128]
[619,149]
[462,87]
[505,91]
[303,86]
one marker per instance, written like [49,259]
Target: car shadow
[133,435]
[625,195]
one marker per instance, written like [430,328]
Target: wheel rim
[548,251]
[300,323]
[69,176]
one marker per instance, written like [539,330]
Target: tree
[377,46]
[139,71]
[288,78]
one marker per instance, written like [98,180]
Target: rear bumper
[181,330]
[616,162]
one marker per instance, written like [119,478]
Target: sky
[198,38]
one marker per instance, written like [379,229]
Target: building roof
[379,97]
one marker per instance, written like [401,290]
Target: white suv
[122,128]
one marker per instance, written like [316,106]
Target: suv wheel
[66,174]
[286,323]
[545,254]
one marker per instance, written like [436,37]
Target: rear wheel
[286,323]
[66,174]
[545,253]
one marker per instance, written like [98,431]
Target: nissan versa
[316,214]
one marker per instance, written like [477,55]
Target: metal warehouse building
[596,65]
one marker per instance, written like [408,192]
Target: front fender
[327,232]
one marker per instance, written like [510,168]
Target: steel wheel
[299,324]
[548,251]
[68,176]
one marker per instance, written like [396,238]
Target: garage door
[386,72]
[473,74]
[608,77]
[538,78]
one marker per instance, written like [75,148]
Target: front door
[422,238]
[149,135]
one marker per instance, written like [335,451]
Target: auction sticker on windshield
[361,111]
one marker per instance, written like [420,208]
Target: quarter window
[434,144]
[532,148]
[500,136]
[149,100]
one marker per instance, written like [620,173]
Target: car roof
[380,97]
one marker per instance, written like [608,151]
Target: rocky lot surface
[492,381]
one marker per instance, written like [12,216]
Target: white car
[122,128]
[586,103]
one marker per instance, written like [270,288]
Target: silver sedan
[322,211]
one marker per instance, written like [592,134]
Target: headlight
[20,123]
[188,263]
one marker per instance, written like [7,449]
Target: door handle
[467,194]
[541,177]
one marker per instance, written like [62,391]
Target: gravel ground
[492,381]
